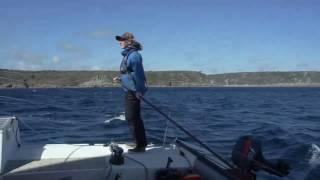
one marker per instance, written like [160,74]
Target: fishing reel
[116,157]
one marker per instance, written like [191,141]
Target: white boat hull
[91,162]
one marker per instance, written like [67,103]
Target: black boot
[137,149]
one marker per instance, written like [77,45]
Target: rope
[39,104]
[108,174]
[182,129]
[37,132]
[145,168]
[168,130]
[17,135]
[165,133]
[185,131]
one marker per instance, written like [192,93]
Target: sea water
[286,120]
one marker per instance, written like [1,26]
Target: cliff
[52,79]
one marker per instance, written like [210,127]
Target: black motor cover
[247,155]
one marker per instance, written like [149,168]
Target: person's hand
[116,79]
[138,95]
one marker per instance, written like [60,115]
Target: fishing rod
[179,127]
[184,130]
[261,165]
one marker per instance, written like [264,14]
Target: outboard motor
[247,155]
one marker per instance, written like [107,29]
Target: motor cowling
[247,155]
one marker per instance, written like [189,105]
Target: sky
[211,36]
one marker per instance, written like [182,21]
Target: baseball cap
[124,37]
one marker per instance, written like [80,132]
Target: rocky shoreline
[88,79]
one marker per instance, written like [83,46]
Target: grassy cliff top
[49,78]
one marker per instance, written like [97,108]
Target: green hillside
[52,79]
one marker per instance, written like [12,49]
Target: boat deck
[91,162]
[58,160]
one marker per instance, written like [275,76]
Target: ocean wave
[315,155]
[120,117]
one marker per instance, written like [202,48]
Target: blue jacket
[132,73]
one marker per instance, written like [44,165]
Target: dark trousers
[132,113]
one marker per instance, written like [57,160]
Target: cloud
[95,68]
[27,66]
[302,66]
[56,59]
[101,33]
[254,60]
[260,64]
[266,67]
[29,60]
[71,48]
[307,67]
[28,57]
[23,59]
[212,71]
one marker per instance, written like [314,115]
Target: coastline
[13,79]
[200,86]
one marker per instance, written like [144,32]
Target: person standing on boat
[133,81]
